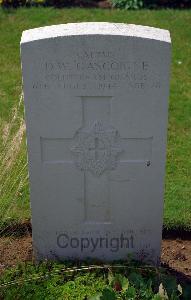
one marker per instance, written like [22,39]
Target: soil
[176,257]
[14,250]
[176,253]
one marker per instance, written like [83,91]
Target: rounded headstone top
[95,28]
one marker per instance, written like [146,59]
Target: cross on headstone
[98,149]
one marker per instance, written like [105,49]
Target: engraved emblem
[97,148]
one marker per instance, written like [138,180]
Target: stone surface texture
[96,106]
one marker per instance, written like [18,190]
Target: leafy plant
[127,4]
[72,280]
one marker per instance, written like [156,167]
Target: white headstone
[96,102]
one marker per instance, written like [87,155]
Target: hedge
[122,4]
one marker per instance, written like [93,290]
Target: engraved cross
[97,149]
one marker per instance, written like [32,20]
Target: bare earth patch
[15,250]
[176,253]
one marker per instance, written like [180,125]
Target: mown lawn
[14,195]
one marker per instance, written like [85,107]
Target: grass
[13,169]
[14,194]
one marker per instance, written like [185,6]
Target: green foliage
[121,4]
[106,294]
[127,4]
[12,3]
[167,3]
[54,3]
[58,3]
[137,4]
[61,281]
[28,3]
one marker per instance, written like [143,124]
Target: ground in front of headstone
[176,253]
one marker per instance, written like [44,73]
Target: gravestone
[96,102]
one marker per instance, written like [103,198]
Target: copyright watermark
[113,244]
